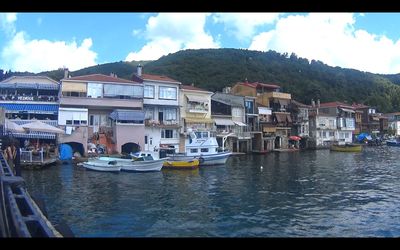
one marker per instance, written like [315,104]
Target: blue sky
[37,42]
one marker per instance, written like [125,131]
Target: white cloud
[244,25]
[22,54]
[7,23]
[332,39]
[171,32]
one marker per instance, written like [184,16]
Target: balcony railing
[40,98]
[172,123]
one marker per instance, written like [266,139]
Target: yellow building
[195,110]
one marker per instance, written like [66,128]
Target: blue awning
[32,108]
[127,115]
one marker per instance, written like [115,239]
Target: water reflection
[312,193]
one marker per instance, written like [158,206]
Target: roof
[258,84]
[299,104]
[335,104]
[189,87]
[98,78]
[29,79]
[229,99]
[359,106]
[155,78]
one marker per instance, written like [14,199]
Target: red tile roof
[189,87]
[259,84]
[99,78]
[359,106]
[157,78]
[335,104]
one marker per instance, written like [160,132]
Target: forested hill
[214,69]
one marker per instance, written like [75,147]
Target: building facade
[99,109]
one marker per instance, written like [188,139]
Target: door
[146,143]
[161,116]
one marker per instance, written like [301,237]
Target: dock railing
[32,156]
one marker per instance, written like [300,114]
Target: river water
[298,194]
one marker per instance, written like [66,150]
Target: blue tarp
[65,152]
[364,136]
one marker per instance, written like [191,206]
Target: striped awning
[224,122]
[198,120]
[33,108]
[35,135]
[127,115]
[22,85]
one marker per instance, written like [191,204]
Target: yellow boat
[181,164]
[347,148]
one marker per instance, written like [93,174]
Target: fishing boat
[192,164]
[204,147]
[137,164]
[347,148]
[101,165]
[393,143]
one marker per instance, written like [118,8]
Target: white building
[161,107]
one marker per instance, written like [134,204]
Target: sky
[37,42]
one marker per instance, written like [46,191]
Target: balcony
[161,124]
[278,95]
[29,98]
[101,102]
[196,109]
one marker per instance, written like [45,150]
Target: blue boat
[393,143]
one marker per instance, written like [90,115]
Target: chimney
[66,73]
[139,70]
[318,103]
[313,103]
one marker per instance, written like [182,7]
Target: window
[149,113]
[123,91]
[99,120]
[331,134]
[148,91]
[169,114]
[193,150]
[249,107]
[169,93]
[324,134]
[236,112]
[95,90]
[168,133]
[346,135]
[204,150]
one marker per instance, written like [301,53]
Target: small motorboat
[393,143]
[100,165]
[347,148]
[191,164]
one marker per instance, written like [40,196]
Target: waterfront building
[101,109]
[300,127]
[332,122]
[228,113]
[372,122]
[393,123]
[195,112]
[162,116]
[29,98]
[274,120]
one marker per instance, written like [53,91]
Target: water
[300,194]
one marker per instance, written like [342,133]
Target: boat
[137,164]
[393,143]
[192,164]
[101,165]
[204,147]
[347,148]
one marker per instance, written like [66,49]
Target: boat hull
[346,148]
[100,167]
[205,160]
[192,164]
[143,166]
[393,143]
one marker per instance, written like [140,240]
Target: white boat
[138,164]
[101,165]
[203,147]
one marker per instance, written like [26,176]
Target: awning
[199,120]
[347,110]
[283,102]
[48,86]
[73,87]
[36,108]
[127,115]
[195,98]
[35,135]
[281,117]
[224,122]
[269,129]
[289,119]
[241,124]
[7,85]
